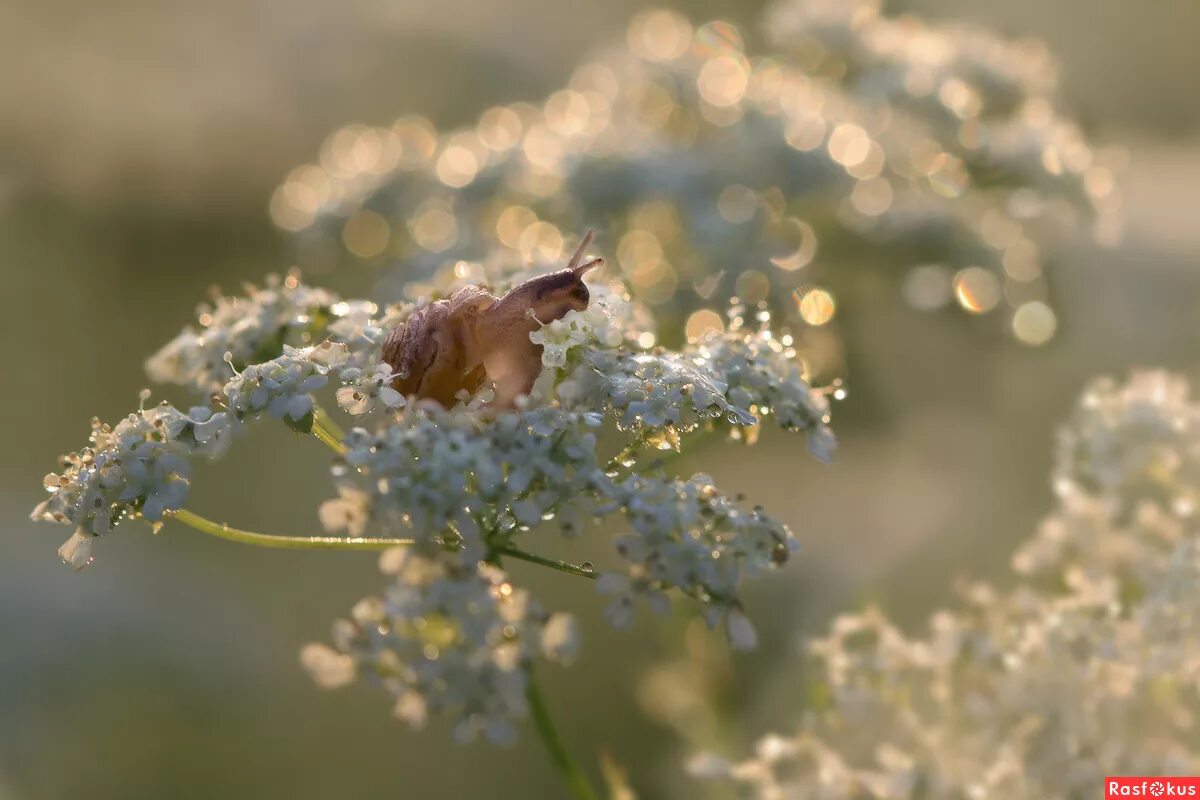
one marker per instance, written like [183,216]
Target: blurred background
[139,145]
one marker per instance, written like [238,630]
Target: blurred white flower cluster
[446,637]
[1089,666]
[138,467]
[466,487]
[781,174]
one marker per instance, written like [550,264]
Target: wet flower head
[1087,667]
[852,141]
[470,488]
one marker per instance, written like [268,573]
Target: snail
[473,336]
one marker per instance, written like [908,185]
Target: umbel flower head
[462,491]
[773,168]
[1089,666]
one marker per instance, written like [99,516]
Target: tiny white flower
[329,668]
[560,638]
[76,552]
[742,635]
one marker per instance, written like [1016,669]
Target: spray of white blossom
[1089,666]
[777,168]
[456,492]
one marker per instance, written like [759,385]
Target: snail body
[473,337]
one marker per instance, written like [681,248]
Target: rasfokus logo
[1158,786]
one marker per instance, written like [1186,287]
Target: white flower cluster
[446,638]
[364,390]
[1089,667]
[140,466]
[1134,442]
[456,477]
[941,144]
[466,485]
[251,329]
[689,536]
[764,377]
[283,386]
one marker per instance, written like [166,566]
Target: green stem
[561,566]
[555,745]
[325,429]
[553,564]
[223,531]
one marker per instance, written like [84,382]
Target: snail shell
[428,351]
[457,344]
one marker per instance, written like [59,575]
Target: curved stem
[223,531]
[325,429]
[555,745]
[532,558]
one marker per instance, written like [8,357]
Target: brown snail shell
[458,344]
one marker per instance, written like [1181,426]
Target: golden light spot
[961,99]
[921,155]
[286,213]
[805,131]
[434,226]
[417,137]
[511,223]
[849,145]
[543,148]
[1021,261]
[1099,181]
[722,81]
[798,241]
[659,217]
[976,290]
[720,116]
[871,166]
[702,322]
[1034,323]
[1052,161]
[1076,155]
[947,176]
[999,230]
[927,287]
[752,286]
[366,234]
[660,35]
[717,37]
[651,105]
[339,152]
[872,197]
[655,281]
[918,81]
[817,307]
[597,78]
[645,340]
[971,134]
[638,247]
[499,128]
[301,197]
[457,166]
[737,203]
[541,242]
[566,112]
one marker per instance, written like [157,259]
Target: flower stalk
[556,746]
[562,566]
[224,531]
[328,431]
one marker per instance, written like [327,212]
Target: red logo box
[1116,787]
